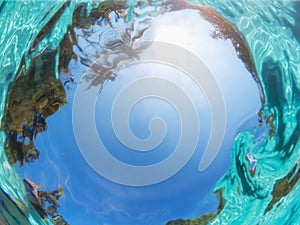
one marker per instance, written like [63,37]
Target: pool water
[256,171]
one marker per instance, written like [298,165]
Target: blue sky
[91,199]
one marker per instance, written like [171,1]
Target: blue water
[271,33]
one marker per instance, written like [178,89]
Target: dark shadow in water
[2,5]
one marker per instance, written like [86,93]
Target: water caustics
[261,185]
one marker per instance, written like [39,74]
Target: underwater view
[150,112]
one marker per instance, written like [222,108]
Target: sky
[92,199]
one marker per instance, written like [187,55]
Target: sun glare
[172,34]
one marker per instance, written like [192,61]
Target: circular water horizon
[150,197]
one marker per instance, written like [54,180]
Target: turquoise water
[270,29]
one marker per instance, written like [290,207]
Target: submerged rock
[34,95]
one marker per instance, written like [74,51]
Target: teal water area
[19,24]
[271,30]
